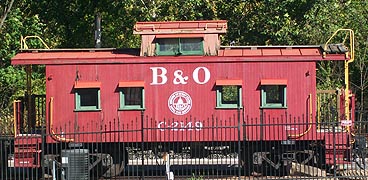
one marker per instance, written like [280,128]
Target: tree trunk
[7,10]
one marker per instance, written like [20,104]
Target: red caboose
[180,85]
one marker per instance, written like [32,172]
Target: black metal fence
[236,147]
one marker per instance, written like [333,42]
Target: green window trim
[281,101]
[83,97]
[179,46]
[233,104]
[123,98]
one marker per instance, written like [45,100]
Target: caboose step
[338,158]
[27,151]
[337,147]
[332,162]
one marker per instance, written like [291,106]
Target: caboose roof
[180,27]
[226,53]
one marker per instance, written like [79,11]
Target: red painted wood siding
[300,78]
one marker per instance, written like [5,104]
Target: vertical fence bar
[334,149]
[142,143]
[42,148]
[239,144]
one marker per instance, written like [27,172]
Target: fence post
[42,148]
[3,158]
[142,143]
[239,144]
[334,146]
[169,174]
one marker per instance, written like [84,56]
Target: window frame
[282,87]
[219,94]
[131,84]
[179,44]
[84,86]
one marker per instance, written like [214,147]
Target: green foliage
[194,177]
[16,25]
[263,22]
[12,85]
[70,24]
[12,79]
[230,93]
[321,21]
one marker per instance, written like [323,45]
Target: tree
[346,14]
[12,84]
[70,24]
[5,10]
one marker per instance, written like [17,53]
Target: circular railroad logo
[180,103]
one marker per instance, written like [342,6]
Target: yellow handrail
[351,38]
[346,68]
[15,117]
[310,121]
[53,135]
[23,42]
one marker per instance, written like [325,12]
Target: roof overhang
[225,54]
[131,84]
[229,82]
[273,81]
[111,58]
[180,27]
[87,84]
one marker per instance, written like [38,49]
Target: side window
[179,46]
[228,94]
[87,96]
[273,94]
[131,95]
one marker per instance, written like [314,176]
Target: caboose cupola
[180,37]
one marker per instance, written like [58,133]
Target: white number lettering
[174,126]
[189,126]
[198,126]
[180,126]
[161,126]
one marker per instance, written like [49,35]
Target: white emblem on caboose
[180,103]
